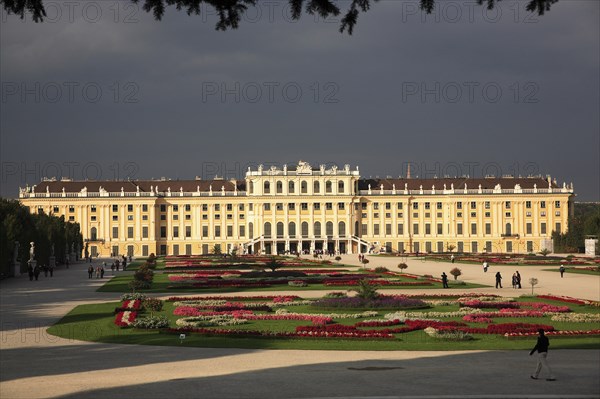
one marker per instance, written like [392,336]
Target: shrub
[381,269]
[456,282]
[132,297]
[365,290]
[533,281]
[455,272]
[402,266]
[273,264]
[138,285]
[152,304]
[545,252]
[338,258]
[151,322]
[297,283]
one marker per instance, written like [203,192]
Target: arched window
[329,229]
[340,187]
[94,234]
[250,230]
[316,187]
[251,187]
[317,229]
[279,187]
[303,187]
[342,229]
[304,229]
[280,230]
[328,186]
[508,230]
[267,188]
[356,228]
[292,229]
[267,231]
[291,187]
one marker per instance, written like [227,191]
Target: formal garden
[221,274]
[363,319]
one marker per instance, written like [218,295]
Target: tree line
[18,224]
[585,222]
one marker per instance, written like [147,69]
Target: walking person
[90,271]
[518,280]
[51,269]
[30,272]
[485,266]
[514,280]
[452,259]
[541,347]
[101,271]
[36,272]
[561,269]
[445,280]
[498,280]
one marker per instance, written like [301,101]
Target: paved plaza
[34,364]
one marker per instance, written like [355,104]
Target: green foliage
[18,224]
[151,322]
[585,222]
[152,304]
[217,249]
[381,269]
[545,252]
[365,290]
[338,258]
[402,266]
[273,264]
[137,285]
[455,272]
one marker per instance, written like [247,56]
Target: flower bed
[381,302]
[571,333]
[488,304]
[125,318]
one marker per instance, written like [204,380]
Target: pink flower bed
[351,283]
[544,307]
[486,317]
[563,299]
[296,334]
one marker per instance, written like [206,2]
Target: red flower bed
[125,318]
[504,328]
[351,283]
[489,305]
[544,307]
[566,333]
[562,299]
[296,334]
[231,298]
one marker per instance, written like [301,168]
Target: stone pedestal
[17,269]
[52,261]
[590,246]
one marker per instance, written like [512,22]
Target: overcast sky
[102,90]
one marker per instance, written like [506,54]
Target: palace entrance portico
[337,245]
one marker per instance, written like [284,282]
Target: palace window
[291,206]
[217,207]
[291,187]
[439,228]
[487,205]
[317,206]
[267,207]
[340,187]
[399,205]
[204,207]
[388,229]
[557,204]
[473,228]
[400,229]
[279,186]
[241,207]
[316,187]
[416,228]
[267,187]
[130,232]
[528,204]
[542,204]
[328,186]
[144,207]
[473,205]
[459,228]
[415,205]
[304,206]
[279,206]
[175,208]
[543,228]
[229,231]
[303,187]
[427,205]
[217,231]
[129,208]
[175,231]
[473,214]
[229,207]
[376,229]
[427,228]
[528,228]
[115,208]
[341,206]
[459,205]
[55,209]
[507,204]
[488,228]
[388,205]
[163,231]
[92,208]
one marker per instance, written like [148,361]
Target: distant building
[277,210]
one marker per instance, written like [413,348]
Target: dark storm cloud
[462,91]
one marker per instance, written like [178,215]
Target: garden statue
[31,251]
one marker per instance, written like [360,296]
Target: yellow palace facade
[306,209]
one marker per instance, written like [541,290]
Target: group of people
[99,270]
[34,272]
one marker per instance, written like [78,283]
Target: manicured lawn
[95,322]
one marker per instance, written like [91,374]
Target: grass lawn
[95,322]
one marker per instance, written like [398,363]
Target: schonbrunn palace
[301,208]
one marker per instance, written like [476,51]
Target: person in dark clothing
[30,272]
[498,280]
[51,269]
[561,269]
[90,271]
[541,347]
[519,280]
[36,272]
[445,280]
